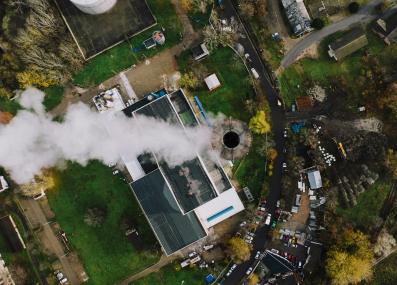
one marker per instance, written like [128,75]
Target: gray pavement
[365,14]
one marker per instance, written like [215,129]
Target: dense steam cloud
[33,141]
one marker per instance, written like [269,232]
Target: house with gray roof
[297,16]
[386,26]
[350,42]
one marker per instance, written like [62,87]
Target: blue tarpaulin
[209,278]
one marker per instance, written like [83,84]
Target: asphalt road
[278,123]
[365,14]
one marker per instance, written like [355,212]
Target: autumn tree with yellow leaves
[238,250]
[350,260]
[258,124]
[43,182]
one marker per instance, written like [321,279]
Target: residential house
[349,43]
[200,51]
[386,26]
[297,16]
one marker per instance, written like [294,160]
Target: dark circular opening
[231,139]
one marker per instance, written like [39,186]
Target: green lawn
[200,20]
[107,255]
[229,99]
[9,106]
[169,276]
[53,96]
[121,57]
[368,206]
[250,171]
[297,77]
[385,272]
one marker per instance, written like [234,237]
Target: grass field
[107,255]
[294,79]
[250,171]
[368,206]
[53,96]
[200,20]
[121,57]
[169,276]
[9,106]
[385,272]
[229,99]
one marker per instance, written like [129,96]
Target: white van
[255,73]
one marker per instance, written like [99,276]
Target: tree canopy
[350,260]
[238,250]
[258,123]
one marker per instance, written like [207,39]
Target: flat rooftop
[189,182]
[173,229]
[96,33]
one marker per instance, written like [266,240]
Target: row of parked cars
[290,257]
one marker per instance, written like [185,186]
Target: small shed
[315,181]
[200,51]
[212,82]
[304,103]
[349,43]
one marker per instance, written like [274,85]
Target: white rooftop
[109,100]
[219,209]
[212,82]
[314,177]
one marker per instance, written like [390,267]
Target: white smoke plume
[33,141]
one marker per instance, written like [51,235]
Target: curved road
[363,15]
[278,123]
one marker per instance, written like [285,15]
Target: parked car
[254,73]
[116,172]
[249,271]
[192,254]
[275,251]
[250,234]
[300,264]
[268,219]
[258,253]
[243,223]
[60,277]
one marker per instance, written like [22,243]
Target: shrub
[353,7]
[318,23]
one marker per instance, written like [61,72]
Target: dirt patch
[298,220]
[310,52]
[152,74]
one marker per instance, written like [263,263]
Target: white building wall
[94,6]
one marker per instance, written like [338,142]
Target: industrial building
[181,203]
[97,25]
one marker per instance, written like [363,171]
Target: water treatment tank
[94,6]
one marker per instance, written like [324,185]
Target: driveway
[365,14]
[34,213]
[277,122]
